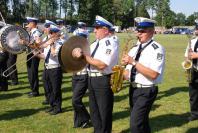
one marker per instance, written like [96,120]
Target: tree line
[119,12]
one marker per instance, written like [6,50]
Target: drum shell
[9,38]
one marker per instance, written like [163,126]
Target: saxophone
[118,73]
[187,64]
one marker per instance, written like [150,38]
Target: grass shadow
[14,114]
[192,130]
[9,96]
[171,91]
[168,121]
[121,115]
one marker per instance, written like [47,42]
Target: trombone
[37,47]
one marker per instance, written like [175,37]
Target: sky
[186,7]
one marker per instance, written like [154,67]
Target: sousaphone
[67,61]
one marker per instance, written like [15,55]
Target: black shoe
[49,110]
[45,102]
[192,118]
[33,94]
[55,112]
[86,124]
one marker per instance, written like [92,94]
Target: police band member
[46,31]
[104,55]
[53,71]
[64,34]
[144,70]
[3,67]
[33,64]
[193,85]
[79,87]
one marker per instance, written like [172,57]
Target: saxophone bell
[187,66]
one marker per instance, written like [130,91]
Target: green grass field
[20,114]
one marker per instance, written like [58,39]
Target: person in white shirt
[64,33]
[46,31]
[103,56]
[192,54]
[145,65]
[79,87]
[33,64]
[53,71]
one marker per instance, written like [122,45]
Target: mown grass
[20,114]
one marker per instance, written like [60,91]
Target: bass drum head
[10,36]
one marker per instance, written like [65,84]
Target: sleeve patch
[108,51]
[155,46]
[107,42]
[159,56]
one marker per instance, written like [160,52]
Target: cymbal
[67,61]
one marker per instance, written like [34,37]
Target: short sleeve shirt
[107,52]
[153,57]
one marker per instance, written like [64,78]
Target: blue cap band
[54,30]
[101,23]
[145,24]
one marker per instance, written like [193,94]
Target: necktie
[48,55]
[93,53]
[133,70]
[195,50]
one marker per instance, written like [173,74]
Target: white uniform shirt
[34,33]
[153,57]
[115,38]
[107,52]
[192,45]
[64,33]
[53,59]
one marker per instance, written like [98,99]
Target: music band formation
[142,66]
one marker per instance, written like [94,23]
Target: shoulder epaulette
[155,46]
[107,42]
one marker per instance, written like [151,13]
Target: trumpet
[37,48]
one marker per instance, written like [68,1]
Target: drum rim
[6,47]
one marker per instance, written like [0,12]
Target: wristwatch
[134,63]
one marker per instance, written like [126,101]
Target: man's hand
[193,55]
[77,53]
[126,59]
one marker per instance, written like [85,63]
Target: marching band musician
[104,55]
[193,85]
[53,71]
[145,68]
[64,34]
[3,66]
[79,87]
[47,33]
[33,64]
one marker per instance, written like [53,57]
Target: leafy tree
[180,19]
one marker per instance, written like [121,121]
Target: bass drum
[10,36]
